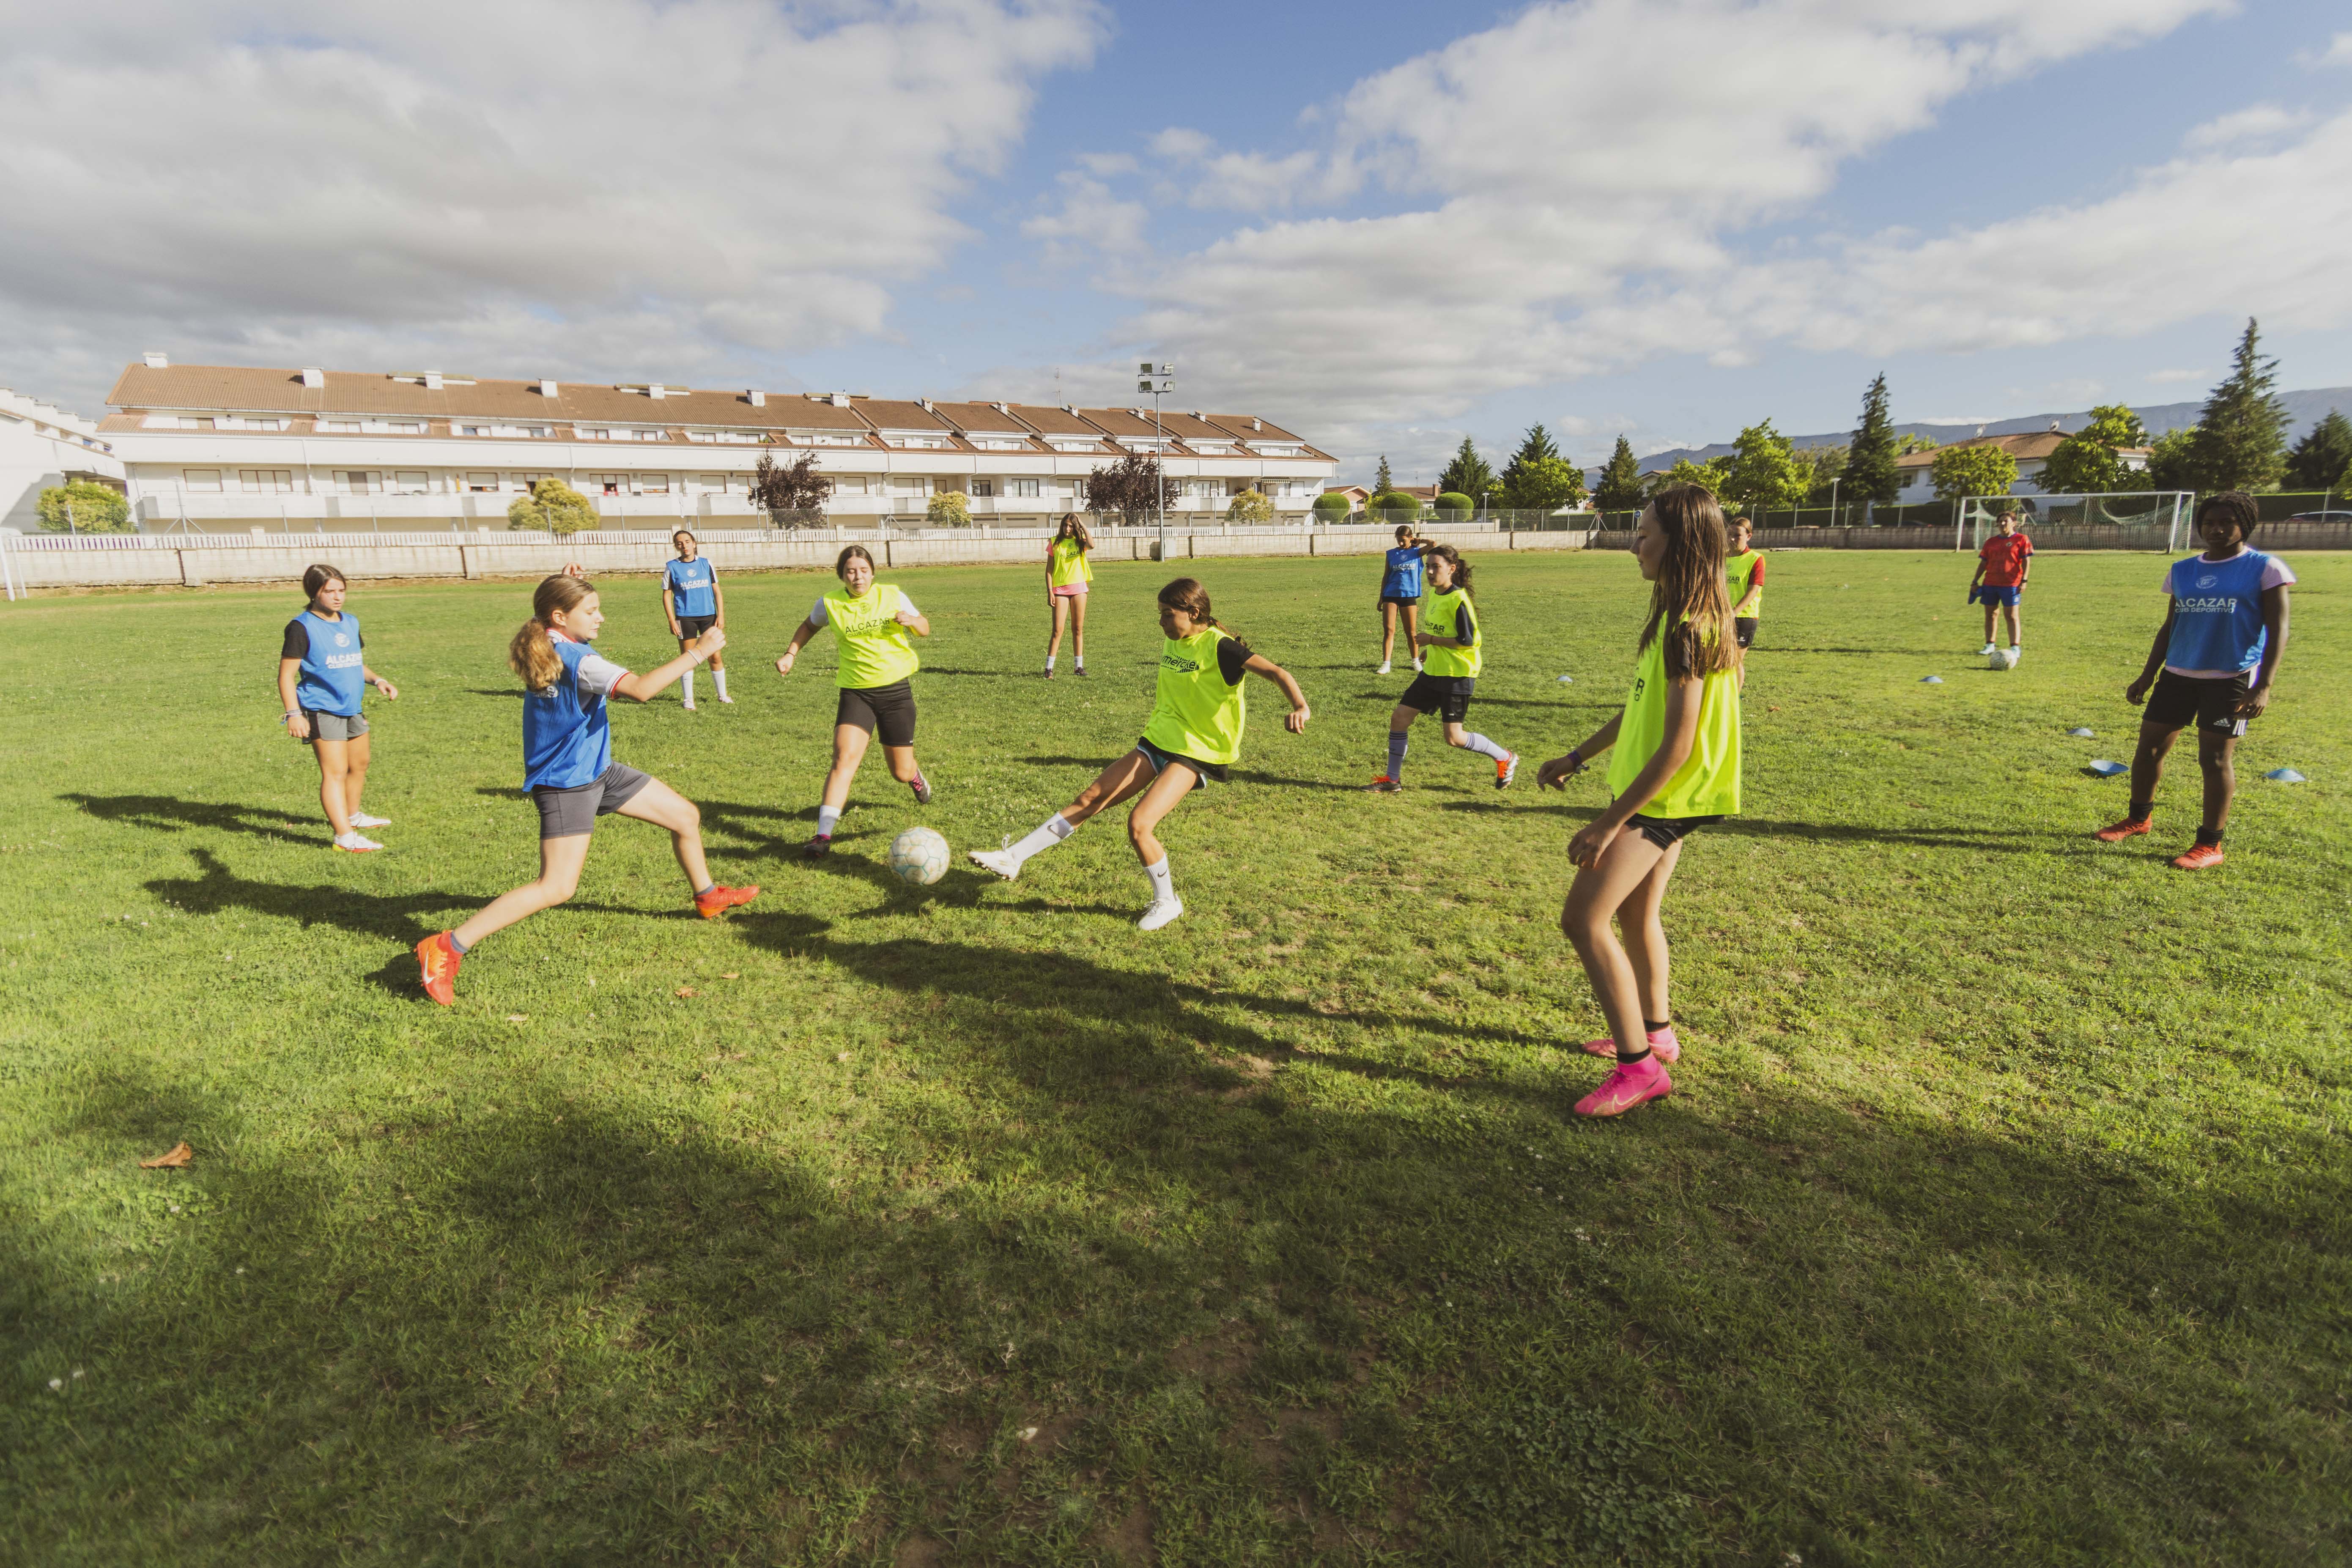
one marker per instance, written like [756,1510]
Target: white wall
[31,462]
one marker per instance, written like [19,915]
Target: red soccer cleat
[718,900]
[2203,857]
[2116,833]
[1383,785]
[438,962]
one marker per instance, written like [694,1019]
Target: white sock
[1485,747]
[1080,661]
[719,679]
[1055,828]
[689,689]
[1049,661]
[1164,887]
[826,816]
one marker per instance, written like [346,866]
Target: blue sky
[1384,225]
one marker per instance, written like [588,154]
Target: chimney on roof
[546,388]
[656,391]
[157,361]
[1002,409]
[313,376]
[1255,425]
[432,381]
[925,405]
[758,398]
[839,400]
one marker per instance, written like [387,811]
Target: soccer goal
[2119,519]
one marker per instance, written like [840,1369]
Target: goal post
[2117,519]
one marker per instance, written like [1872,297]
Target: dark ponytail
[318,577]
[1186,594]
[1454,558]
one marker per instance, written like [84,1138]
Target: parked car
[2321,517]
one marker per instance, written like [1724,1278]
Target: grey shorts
[569,813]
[335,726]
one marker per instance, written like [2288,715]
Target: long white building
[228,448]
[42,447]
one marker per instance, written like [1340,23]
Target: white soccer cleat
[1161,911]
[356,844]
[1987,650]
[361,819]
[728,700]
[1001,862]
[2016,652]
[1384,668]
[689,707]
[1416,667]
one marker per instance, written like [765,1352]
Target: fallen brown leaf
[730,974]
[181,1155]
[688,991]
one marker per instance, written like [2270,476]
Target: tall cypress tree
[1870,462]
[1620,485]
[2322,460]
[1467,474]
[2241,440]
[1380,484]
[1535,444]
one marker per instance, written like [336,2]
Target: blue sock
[1397,739]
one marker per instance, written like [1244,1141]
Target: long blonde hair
[1689,606]
[532,656]
[1073,527]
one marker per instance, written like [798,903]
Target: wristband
[1578,758]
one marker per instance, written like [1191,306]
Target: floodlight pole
[1155,379]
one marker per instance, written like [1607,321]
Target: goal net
[2120,520]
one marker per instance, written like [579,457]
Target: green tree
[1915,441]
[1134,488]
[1394,506]
[2086,463]
[1250,506]
[2240,441]
[1825,473]
[949,509]
[2172,459]
[1959,472]
[1619,487]
[1453,506]
[1542,484]
[1710,474]
[1381,481]
[1467,474]
[1332,507]
[1870,459]
[1534,448]
[1764,471]
[793,494]
[80,506]
[2322,460]
[552,507]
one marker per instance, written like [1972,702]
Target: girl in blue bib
[694,603]
[568,767]
[322,673]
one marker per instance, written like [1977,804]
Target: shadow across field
[172,814]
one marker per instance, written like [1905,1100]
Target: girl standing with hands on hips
[321,675]
[1675,767]
[874,628]
[568,767]
[1068,574]
[693,602]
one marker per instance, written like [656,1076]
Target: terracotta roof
[895,414]
[2031,446]
[982,418]
[1239,424]
[1125,421]
[1048,420]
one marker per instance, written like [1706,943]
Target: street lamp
[1157,380]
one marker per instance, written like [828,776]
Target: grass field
[2000,1213]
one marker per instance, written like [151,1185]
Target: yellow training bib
[875,650]
[1194,711]
[1707,783]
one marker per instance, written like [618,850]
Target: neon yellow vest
[1440,614]
[1735,569]
[1194,711]
[875,650]
[1069,564]
[1707,783]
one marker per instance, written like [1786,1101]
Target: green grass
[2000,1214]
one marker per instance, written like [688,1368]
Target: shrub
[553,507]
[1455,506]
[1394,506]
[1250,506]
[80,506]
[1331,506]
[949,509]
[1959,472]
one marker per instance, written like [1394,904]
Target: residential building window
[359,482]
[201,479]
[909,485]
[176,422]
[612,484]
[412,482]
[852,485]
[653,484]
[828,438]
[712,482]
[527,481]
[481,481]
[983,487]
[393,427]
[726,437]
[339,427]
[266,481]
[997,443]
[1026,490]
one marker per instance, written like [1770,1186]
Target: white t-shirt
[818,617]
[597,675]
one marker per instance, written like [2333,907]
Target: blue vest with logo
[690,589]
[1402,580]
[567,737]
[2217,613]
[334,670]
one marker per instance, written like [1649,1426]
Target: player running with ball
[1675,767]
[1194,732]
[872,623]
[568,767]
[1454,653]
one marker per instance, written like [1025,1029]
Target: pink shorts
[1070,590]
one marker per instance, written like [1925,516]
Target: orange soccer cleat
[2202,858]
[2116,832]
[1383,785]
[718,900]
[438,962]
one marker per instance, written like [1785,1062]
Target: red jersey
[2004,556]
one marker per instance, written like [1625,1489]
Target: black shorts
[1665,832]
[1448,696]
[2210,702]
[1161,757]
[1744,628]
[1402,601]
[885,710]
[691,626]
[569,813]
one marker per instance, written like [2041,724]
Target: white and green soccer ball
[2002,659]
[919,855]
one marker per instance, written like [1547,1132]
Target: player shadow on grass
[170,814]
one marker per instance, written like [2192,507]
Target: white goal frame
[2142,512]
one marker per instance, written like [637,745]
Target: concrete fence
[195,560]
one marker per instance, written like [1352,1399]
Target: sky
[1385,226]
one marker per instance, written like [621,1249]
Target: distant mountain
[2306,409]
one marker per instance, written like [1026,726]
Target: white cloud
[1090,220]
[2338,51]
[2171,377]
[529,188]
[2262,122]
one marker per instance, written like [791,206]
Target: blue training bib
[1403,579]
[567,737]
[2217,613]
[334,672]
[691,587]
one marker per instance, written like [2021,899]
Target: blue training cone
[2284,775]
[1931,680]
[2080,735]
[2105,769]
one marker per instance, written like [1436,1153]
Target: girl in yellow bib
[1448,640]
[1068,574]
[1675,767]
[874,628]
[1194,732]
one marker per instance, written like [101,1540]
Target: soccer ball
[2001,658]
[919,855]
